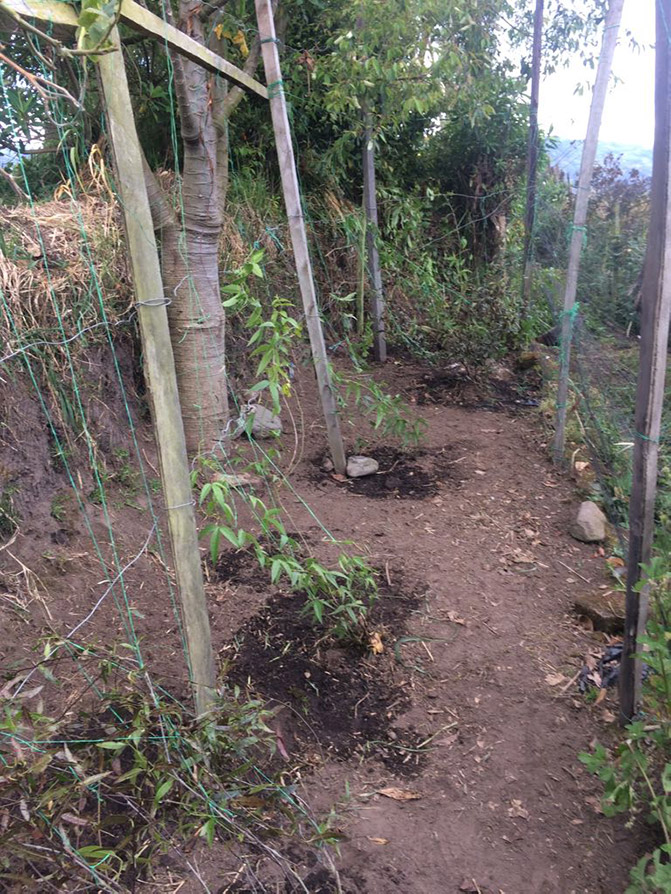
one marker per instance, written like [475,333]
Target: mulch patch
[403,475]
[457,388]
[335,696]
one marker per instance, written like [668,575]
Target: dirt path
[464,708]
[503,804]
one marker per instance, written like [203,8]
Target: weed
[60,505]
[637,775]
[91,800]
[9,518]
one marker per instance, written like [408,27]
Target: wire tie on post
[276,88]
[180,505]
[154,302]
[271,40]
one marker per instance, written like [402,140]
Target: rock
[266,424]
[501,373]
[327,465]
[360,466]
[590,524]
[605,609]
[527,360]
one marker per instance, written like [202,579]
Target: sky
[629,113]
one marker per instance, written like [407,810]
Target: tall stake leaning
[532,158]
[292,199]
[610,34]
[159,369]
[655,315]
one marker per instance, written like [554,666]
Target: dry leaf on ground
[399,794]
[376,644]
[555,679]
[379,841]
[516,809]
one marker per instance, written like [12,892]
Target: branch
[162,212]
[211,7]
[15,186]
[189,123]
[234,95]
[48,90]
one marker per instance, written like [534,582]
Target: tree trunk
[190,258]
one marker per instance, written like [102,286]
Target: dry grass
[58,259]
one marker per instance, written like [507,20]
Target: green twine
[642,437]
[271,40]
[275,89]
[572,312]
[575,228]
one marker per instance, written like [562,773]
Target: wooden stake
[292,199]
[145,22]
[159,371]
[532,157]
[374,271]
[609,41]
[655,316]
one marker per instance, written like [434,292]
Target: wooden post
[292,199]
[374,272]
[532,157]
[655,316]
[610,34]
[160,374]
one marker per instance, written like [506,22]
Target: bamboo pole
[655,317]
[374,271]
[532,157]
[159,371]
[578,230]
[292,199]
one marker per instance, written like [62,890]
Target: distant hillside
[567,153]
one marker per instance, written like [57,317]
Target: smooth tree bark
[190,236]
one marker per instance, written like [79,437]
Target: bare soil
[462,709]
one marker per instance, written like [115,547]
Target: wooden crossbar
[140,19]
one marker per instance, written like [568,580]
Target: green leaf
[163,790]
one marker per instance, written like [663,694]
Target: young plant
[337,598]
[273,338]
[388,413]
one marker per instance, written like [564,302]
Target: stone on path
[265,424]
[605,609]
[360,466]
[590,523]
